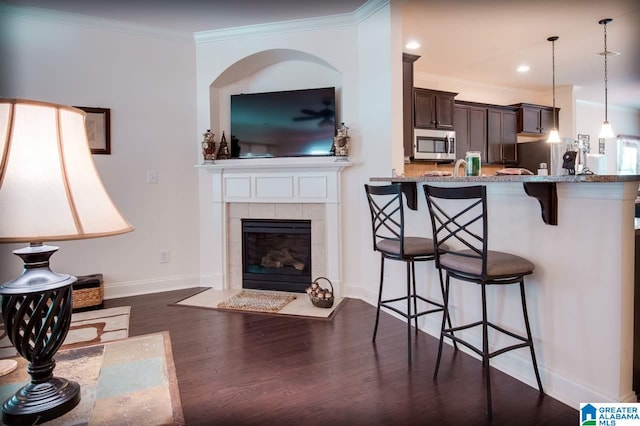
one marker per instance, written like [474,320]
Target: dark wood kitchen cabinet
[407,102]
[535,119]
[502,136]
[471,129]
[433,109]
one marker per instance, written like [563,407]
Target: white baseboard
[357,291]
[214,280]
[137,288]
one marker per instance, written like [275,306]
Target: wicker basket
[321,297]
[88,292]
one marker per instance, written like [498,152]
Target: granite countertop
[512,178]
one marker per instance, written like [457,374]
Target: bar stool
[387,220]
[459,216]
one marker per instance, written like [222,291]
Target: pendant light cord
[606,131]
[553,73]
[553,76]
[606,53]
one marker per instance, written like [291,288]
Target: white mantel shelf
[276,164]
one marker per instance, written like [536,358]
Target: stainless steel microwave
[434,144]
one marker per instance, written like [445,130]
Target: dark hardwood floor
[252,369]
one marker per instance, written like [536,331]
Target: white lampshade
[554,136]
[50,189]
[606,131]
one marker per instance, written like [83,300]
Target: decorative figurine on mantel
[223,151]
[341,143]
[208,147]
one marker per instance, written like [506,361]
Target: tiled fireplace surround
[277,188]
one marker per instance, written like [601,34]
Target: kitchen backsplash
[418,168]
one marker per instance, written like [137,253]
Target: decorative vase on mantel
[208,147]
[341,143]
[223,151]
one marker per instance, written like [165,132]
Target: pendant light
[606,131]
[554,137]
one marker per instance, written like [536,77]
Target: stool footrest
[507,332]
[448,332]
[398,299]
[386,304]
[404,314]
[463,342]
[508,348]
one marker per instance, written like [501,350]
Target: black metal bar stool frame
[387,219]
[476,264]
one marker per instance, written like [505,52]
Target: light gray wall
[148,82]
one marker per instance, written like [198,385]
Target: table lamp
[50,190]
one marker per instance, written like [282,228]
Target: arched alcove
[266,71]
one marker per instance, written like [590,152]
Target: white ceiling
[477,40]
[485,40]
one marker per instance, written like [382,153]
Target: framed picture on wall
[98,125]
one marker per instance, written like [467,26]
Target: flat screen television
[293,123]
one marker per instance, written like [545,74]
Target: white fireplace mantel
[277,181]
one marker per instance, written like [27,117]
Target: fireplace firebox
[276,254]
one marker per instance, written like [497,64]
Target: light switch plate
[152,176]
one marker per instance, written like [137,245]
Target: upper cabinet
[501,135]
[490,129]
[535,119]
[433,109]
[471,128]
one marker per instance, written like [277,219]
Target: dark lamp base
[38,403]
[36,310]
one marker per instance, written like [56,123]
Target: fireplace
[276,254]
[297,188]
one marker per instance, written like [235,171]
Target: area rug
[87,328]
[125,382]
[257,301]
[299,306]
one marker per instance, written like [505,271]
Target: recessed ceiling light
[523,68]
[412,45]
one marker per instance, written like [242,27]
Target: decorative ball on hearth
[208,147]
[341,143]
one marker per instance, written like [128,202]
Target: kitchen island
[580,296]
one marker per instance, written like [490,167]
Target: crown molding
[67,18]
[369,8]
[610,106]
[282,27]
